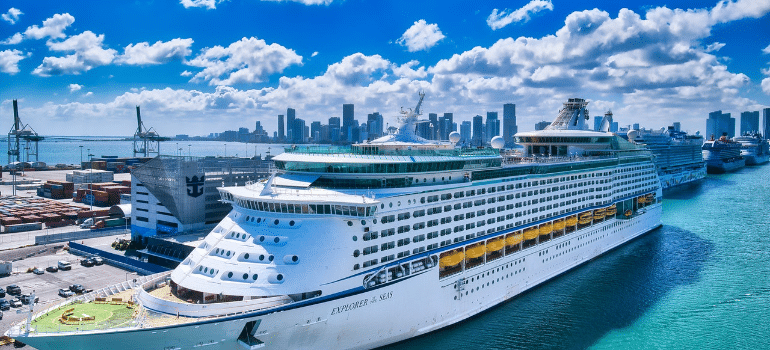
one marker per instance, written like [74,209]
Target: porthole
[422,200]
[245,276]
[254,277]
[259,220]
[261,257]
[212,271]
[355,238]
[200,268]
[206,270]
[390,204]
[217,251]
[374,220]
[246,256]
[382,206]
[229,275]
[276,222]
[363,222]
[279,277]
[291,223]
[294,258]
[261,238]
[228,253]
[356,253]
[270,258]
[350,223]
[237,235]
[247,218]
[399,203]
[356,267]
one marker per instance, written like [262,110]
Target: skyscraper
[374,125]
[348,116]
[434,126]
[598,123]
[290,115]
[465,131]
[334,129]
[478,131]
[315,131]
[766,119]
[298,131]
[492,127]
[749,121]
[509,123]
[280,128]
[542,125]
[445,126]
[719,123]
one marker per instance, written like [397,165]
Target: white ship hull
[378,316]
[684,177]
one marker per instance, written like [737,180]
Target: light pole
[225,150]
[177,146]
[81,157]
[91,177]
[188,151]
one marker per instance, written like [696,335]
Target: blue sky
[201,66]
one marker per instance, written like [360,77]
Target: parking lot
[47,285]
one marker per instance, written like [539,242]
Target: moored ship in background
[754,148]
[364,246]
[678,156]
[722,155]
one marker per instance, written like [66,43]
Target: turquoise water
[701,281]
[66,150]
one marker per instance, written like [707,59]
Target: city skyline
[198,66]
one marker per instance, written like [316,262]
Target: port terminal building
[174,199]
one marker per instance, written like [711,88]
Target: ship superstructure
[754,148]
[364,246]
[678,155]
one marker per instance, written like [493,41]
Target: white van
[64,265]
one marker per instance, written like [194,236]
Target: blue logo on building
[195,185]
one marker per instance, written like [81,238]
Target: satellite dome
[454,136]
[632,134]
[497,142]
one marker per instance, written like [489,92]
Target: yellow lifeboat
[475,252]
[451,259]
[649,198]
[627,213]
[531,232]
[585,218]
[611,210]
[494,245]
[599,214]
[558,225]
[514,239]
[641,200]
[572,220]
[546,228]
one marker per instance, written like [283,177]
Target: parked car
[4,304]
[38,271]
[87,262]
[64,265]
[25,299]
[77,288]
[65,293]
[53,268]
[2,293]
[13,289]
[98,261]
[15,303]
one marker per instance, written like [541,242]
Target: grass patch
[107,316]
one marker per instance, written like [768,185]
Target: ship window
[291,223]
[279,277]
[276,240]
[246,256]
[270,258]
[254,277]
[245,276]
[261,257]
[229,275]
[276,222]
[228,253]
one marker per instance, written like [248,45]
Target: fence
[79,235]
[117,260]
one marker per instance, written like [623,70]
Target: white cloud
[766,85]
[12,15]
[249,60]
[421,36]
[9,61]
[767,49]
[52,27]
[716,46]
[497,20]
[209,4]
[88,54]
[728,10]
[186,73]
[157,53]
[75,87]
[306,2]
[87,94]
[315,53]
[13,40]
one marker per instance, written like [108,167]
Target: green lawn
[107,316]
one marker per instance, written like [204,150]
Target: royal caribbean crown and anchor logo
[195,185]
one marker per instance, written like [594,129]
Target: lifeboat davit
[572,220]
[611,210]
[599,214]
[546,228]
[475,252]
[451,259]
[627,213]
[495,245]
[531,232]
[559,225]
[585,218]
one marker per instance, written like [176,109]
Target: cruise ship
[722,155]
[678,156]
[754,148]
[368,245]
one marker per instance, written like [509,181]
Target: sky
[202,66]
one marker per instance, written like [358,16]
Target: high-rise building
[766,119]
[478,131]
[281,134]
[348,117]
[614,127]
[677,126]
[290,116]
[509,123]
[465,131]
[445,126]
[749,122]
[298,131]
[598,122]
[542,125]
[720,123]
[315,131]
[492,127]
[374,125]
[334,129]
[434,126]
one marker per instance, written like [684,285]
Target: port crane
[22,134]
[146,141]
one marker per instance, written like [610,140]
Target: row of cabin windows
[331,209]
